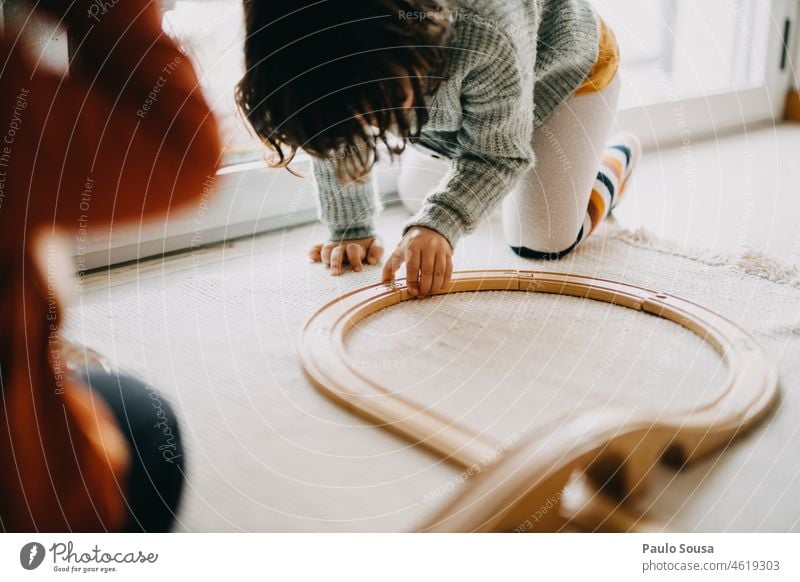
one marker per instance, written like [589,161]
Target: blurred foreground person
[124,136]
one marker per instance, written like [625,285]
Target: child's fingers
[326,253]
[355,254]
[375,252]
[412,271]
[427,266]
[448,274]
[391,267]
[439,272]
[315,254]
[337,260]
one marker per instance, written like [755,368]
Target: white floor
[725,194]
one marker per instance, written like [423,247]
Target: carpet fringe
[750,262]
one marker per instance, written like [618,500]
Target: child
[84,448]
[519,96]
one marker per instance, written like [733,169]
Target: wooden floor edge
[792,110]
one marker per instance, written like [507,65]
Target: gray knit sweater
[512,63]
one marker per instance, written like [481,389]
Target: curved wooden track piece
[603,454]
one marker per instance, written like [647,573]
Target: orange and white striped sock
[616,167]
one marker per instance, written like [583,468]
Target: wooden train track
[601,457]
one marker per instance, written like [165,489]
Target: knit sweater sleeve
[494,138]
[348,209]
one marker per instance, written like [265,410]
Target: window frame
[725,111]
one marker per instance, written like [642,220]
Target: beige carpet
[215,330]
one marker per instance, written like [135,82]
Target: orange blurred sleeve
[126,135]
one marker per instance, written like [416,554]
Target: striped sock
[615,171]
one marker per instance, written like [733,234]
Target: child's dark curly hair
[333,77]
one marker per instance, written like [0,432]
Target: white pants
[547,209]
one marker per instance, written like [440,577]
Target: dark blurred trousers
[156,476]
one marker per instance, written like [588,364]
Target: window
[689,68]
[700,67]
[678,49]
[211,33]
[671,50]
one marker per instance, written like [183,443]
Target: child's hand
[428,258]
[337,254]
